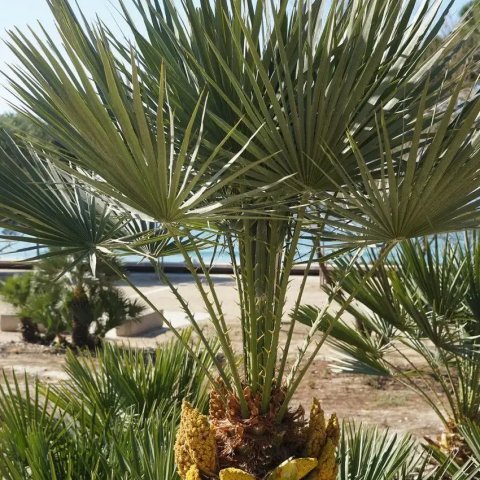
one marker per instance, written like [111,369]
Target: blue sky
[23,13]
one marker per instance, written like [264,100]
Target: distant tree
[18,126]
[471,10]
[470,16]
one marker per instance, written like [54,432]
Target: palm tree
[268,124]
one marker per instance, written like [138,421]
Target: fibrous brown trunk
[82,318]
[30,331]
[259,443]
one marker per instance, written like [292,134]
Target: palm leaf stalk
[279,121]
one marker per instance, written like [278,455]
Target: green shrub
[16,289]
[46,297]
[114,418]
[40,301]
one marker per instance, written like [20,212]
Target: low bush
[79,303]
[114,418]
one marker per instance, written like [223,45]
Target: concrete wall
[147,322]
[9,323]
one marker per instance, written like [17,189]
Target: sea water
[20,251]
[17,251]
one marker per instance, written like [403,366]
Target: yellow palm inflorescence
[195,444]
[322,443]
[196,453]
[193,473]
[235,474]
[294,469]
[317,430]
[327,463]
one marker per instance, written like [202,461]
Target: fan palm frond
[52,208]
[399,199]
[368,454]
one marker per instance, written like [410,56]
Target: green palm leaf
[307,74]
[133,149]
[368,454]
[400,199]
[52,208]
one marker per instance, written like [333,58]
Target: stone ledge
[147,322]
[9,323]
[154,326]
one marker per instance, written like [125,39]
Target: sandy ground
[365,399]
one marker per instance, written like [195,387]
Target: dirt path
[357,397]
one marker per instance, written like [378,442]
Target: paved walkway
[162,298]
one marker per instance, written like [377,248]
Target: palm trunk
[82,317]
[29,329]
[261,244]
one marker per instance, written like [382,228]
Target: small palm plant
[417,320]
[112,418]
[73,302]
[280,122]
